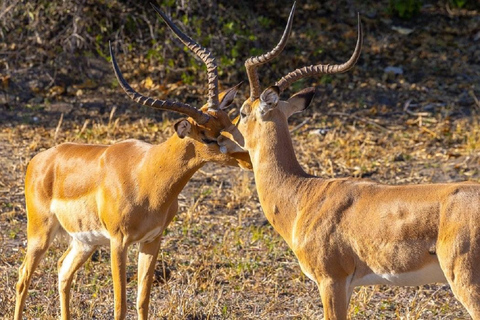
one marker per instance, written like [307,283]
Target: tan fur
[118,195]
[349,232]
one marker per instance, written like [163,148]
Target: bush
[405,8]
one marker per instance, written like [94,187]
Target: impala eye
[242,112]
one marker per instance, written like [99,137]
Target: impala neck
[167,168]
[277,176]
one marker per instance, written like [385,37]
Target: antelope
[354,232]
[120,194]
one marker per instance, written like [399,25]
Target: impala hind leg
[463,276]
[147,257]
[334,294]
[40,234]
[75,256]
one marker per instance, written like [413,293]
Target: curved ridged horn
[252,63]
[176,106]
[203,53]
[314,70]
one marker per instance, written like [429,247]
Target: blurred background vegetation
[49,50]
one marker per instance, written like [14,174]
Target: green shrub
[406,9]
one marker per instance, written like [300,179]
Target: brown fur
[119,194]
[348,232]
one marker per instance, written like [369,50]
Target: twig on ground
[415,114]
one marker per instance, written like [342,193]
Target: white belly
[431,273]
[79,218]
[94,237]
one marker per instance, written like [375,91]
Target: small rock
[394,70]
[402,30]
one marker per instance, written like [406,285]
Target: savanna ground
[407,113]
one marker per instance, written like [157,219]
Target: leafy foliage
[405,8]
[472,4]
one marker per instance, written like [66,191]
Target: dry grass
[220,259]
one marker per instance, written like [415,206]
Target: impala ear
[269,99]
[183,128]
[228,96]
[299,101]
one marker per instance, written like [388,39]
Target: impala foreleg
[75,256]
[334,298]
[118,252]
[147,257]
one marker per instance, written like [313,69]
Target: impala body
[354,232]
[120,194]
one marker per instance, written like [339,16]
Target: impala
[120,194]
[354,232]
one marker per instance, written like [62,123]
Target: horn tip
[360,26]
[293,8]
[157,9]
[110,48]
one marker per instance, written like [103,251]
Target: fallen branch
[415,114]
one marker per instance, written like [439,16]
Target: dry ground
[220,258]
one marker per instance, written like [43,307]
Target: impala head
[263,110]
[202,126]
[259,117]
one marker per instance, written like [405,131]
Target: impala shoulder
[128,148]
[469,187]
[466,192]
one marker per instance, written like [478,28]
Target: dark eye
[244,110]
